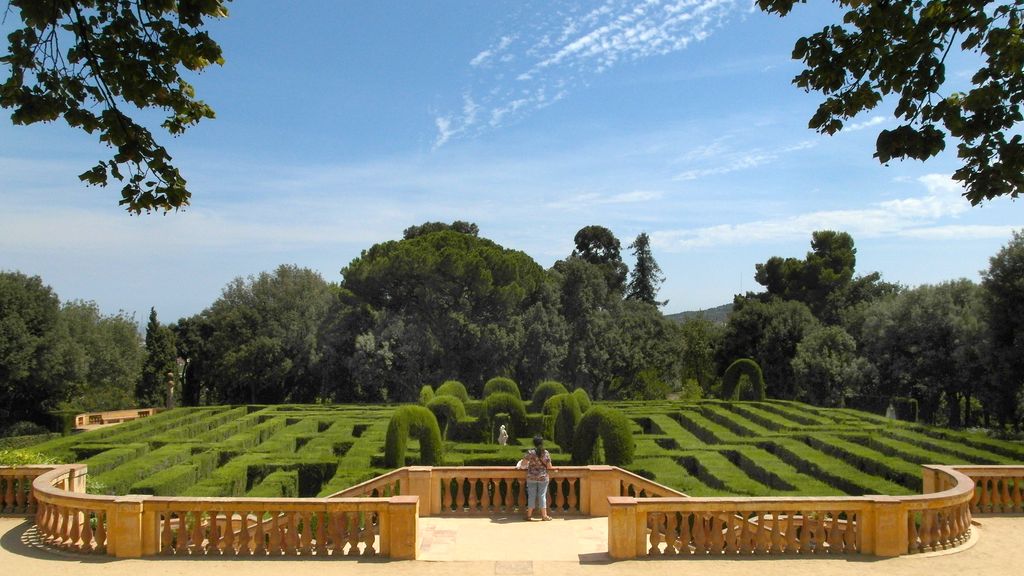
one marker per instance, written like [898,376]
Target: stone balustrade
[16,495]
[379,517]
[135,526]
[501,490]
[873,525]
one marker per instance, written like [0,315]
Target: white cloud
[595,199]
[553,57]
[914,217]
[870,122]
[719,159]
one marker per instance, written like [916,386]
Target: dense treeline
[444,303]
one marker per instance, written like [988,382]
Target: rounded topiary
[545,390]
[448,410]
[453,388]
[511,405]
[561,414]
[421,424]
[582,399]
[731,389]
[426,394]
[501,384]
[612,428]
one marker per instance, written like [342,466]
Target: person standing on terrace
[537,463]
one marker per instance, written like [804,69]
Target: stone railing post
[421,483]
[401,529]
[603,482]
[126,527]
[622,528]
[884,527]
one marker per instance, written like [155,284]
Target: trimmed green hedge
[448,410]
[545,390]
[731,381]
[582,399]
[511,405]
[453,388]
[426,394]
[422,425]
[502,385]
[612,428]
[561,414]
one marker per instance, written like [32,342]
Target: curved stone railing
[16,495]
[501,490]
[875,525]
[379,517]
[135,526]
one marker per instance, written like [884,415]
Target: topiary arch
[453,388]
[545,390]
[448,410]
[421,424]
[731,389]
[501,384]
[426,394]
[561,414]
[614,430]
[582,399]
[509,404]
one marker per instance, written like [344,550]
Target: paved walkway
[513,547]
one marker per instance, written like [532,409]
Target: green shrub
[278,484]
[422,425]
[731,388]
[501,384]
[453,388]
[562,413]
[509,404]
[609,425]
[448,410]
[582,399]
[426,394]
[545,390]
[21,457]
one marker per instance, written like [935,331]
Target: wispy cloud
[870,122]
[540,64]
[595,199]
[913,217]
[717,158]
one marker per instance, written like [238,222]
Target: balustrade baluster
[700,535]
[986,494]
[166,540]
[850,532]
[244,538]
[573,499]
[735,533]
[197,543]
[805,534]
[259,536]
[353,533]
[212,533]
[321,533]
[684,533]
[835,534]
[87,534]
[777,544]
[1006,501]
[913,534]
[765,529]
[717,537]
[925,531]
[369,536]
[654,521]
[18,482]
[307,534]
[8,501]
[290,534]
[74,537]
[477,488]
[672,533]
[176,540]
[276,539]
[1017,495]
[100,534]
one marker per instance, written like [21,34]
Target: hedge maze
[707,448]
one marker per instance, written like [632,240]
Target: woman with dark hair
[537,463]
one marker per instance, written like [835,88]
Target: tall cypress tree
[161,357]
[646,276]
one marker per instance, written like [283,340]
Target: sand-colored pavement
[512,547]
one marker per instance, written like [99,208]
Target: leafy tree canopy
[87,61]
[646,276]
[900,49]
[597,245]
[429,227]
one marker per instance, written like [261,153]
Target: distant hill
[718,314]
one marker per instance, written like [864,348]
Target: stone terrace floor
[512,546]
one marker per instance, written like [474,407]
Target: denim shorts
[537,494]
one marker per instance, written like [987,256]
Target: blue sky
[339,124]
